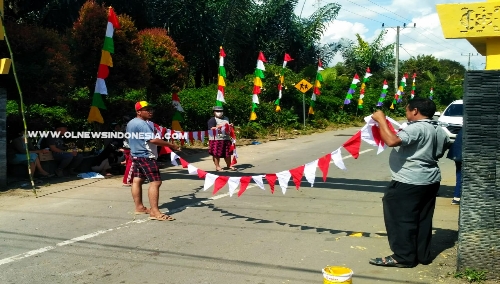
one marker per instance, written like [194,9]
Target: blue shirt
[141,133]
[455,152]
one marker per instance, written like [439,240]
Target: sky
[365,17]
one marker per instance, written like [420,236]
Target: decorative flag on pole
[400,92]
[103,71]
[431,94]
[282,81]
[352,89]
[221,83]
[177,118]
[257,84]
[383,94]
[363,86]
[413,85]
[317,86]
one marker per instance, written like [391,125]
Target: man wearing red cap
[143,141]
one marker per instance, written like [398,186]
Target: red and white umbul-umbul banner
[370,133]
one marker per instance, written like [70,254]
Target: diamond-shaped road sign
[303,86]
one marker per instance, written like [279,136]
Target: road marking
[124,225]
[65,243]
[362,152]
[102,232]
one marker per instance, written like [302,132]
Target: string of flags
[370,133]
[257,84]
[352,89]
[383,94]
[282,81]
[317,86]
[399,94]
[366,78]
[103,71]
[177,117]
[221,84]
[413,85]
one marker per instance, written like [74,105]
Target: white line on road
[65,243]
[124,225]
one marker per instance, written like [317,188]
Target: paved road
[83,231]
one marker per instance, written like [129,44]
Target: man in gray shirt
[410,198]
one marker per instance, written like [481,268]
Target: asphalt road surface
[83,231]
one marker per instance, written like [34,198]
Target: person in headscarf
[219,145]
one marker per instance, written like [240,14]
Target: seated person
[17,155]
[110,154]
[65,159]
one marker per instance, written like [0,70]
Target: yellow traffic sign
[303,86]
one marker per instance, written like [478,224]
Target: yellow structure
[5,65]
[477,22]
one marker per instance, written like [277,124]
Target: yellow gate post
[478,23]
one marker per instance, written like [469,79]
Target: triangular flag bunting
[324,165]
[271,179]
[219,183]
[353,145]
[297,175]
[244,181]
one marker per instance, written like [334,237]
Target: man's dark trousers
[408,212]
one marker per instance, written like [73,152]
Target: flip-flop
[162,217]
[142,212]
[232,169]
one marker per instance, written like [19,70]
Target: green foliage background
[57,61]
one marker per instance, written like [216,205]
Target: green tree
[166,65]
[360,54]
[43,64]
[129,70]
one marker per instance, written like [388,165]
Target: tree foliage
[129,71]
[361,54]
[166,65]
[42,61]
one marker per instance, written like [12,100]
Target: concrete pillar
[3,139]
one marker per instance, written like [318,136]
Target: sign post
[303,86]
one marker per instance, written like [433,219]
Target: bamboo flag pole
[21,101]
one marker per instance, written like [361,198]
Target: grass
[471,275]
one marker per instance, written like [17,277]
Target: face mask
[218,113]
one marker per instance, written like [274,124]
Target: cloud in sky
[366,17]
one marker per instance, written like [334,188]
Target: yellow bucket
[337,274]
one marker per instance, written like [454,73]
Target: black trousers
[408,212]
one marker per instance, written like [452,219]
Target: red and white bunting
[370,133]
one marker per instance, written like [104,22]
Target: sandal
[388,261]
[218,169]
[146,211]
[162,217]
[232,169]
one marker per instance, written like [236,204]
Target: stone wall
[3,139]
[479,223]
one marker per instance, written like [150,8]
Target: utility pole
[396,68]
[470,54]
[396,77]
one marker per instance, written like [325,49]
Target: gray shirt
[141,133]
[416,160]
